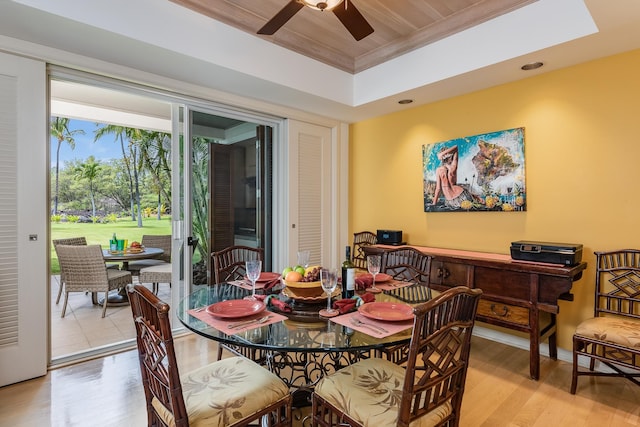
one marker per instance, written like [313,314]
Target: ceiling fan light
[322,5]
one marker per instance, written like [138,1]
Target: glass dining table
[300,346]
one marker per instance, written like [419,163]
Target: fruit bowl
[306,289]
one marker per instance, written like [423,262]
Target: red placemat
[223,324]
[390,327]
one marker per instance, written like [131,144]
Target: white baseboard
[518,342]
[523,344]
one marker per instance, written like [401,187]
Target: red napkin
[272,300]
[364,281]
[271,283]
[346,305]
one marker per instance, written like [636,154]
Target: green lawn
[100,234]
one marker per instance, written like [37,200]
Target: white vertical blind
[8,212]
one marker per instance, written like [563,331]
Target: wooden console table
[516,294]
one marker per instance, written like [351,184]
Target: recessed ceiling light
[405,101]
[532,66]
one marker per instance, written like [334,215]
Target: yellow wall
[582,149]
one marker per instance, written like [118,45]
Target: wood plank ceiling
[400,26]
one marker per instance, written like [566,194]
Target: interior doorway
[231,187]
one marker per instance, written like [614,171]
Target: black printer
[553,253]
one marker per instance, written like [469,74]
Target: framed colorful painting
[475,173]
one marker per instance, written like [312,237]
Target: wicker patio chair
[361,240]
[376,392]
[229,264]
[73,241]
[84,270]
[155,275]
[153,241]
[230,392]
[612,335]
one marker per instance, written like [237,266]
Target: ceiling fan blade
[353,20]
[281,18]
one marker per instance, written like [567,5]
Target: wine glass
[329,281]
[373,265]
[254,268]
[303,258]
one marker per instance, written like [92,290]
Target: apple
[300,269]
[286,271]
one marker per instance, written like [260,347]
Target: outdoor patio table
[124,257]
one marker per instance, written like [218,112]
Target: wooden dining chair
[84,270]
[230,392]
[407,264]
[361,240]
[612,336]
[427,391]
[228,265]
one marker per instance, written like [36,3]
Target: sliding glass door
[226,189]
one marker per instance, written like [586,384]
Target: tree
[200,193]
[131,158]
[60,131]
[155,149]
[89,171]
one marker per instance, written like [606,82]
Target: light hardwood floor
[499,392]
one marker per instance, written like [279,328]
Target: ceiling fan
[350,17]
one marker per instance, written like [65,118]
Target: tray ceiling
[400,26]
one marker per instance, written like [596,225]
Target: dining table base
[114,299]
[302,370]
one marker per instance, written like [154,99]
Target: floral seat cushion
[226,391]
[369,391]
[624,332]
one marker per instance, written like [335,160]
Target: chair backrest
[158,366]
[229,263]
[361,240]
[407,264]
[618,283]
[159,241]
[71,241]
[436,367]
[83,267]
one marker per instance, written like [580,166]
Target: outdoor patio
[83,329]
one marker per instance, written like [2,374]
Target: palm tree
[155,150]
[60,131]
[131,159]
[89,171]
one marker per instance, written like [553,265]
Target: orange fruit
[293,276]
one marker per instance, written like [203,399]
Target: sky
[104,149]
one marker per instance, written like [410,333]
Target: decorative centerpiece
[303,283]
